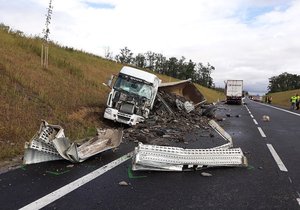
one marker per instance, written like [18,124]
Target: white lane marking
[255,122]
[251,115]
[279,109]
[47,199]
[277,158]
[298,199]
[261,132]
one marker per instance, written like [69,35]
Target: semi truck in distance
[132,96]
[234,91]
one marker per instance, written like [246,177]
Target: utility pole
[46,32]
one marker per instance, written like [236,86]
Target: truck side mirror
[109,82]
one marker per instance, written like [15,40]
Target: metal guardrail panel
[169,158]
[222,133]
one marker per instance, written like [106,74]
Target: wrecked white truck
[134,91]
[132,96]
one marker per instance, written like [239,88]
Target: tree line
[284,82]
[179,68]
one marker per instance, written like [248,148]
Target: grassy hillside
[69,93]
[283,98]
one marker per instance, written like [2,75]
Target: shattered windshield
[134,86]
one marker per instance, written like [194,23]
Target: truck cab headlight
[108,111]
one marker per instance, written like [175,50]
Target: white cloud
[250,40]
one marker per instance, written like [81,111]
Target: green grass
[283,98]
[69,93]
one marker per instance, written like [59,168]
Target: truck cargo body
[234,91]
[132,96]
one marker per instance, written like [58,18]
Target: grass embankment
[283,98]
[69,93]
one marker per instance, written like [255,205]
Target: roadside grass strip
[277,158]
[47,199]
[261,132]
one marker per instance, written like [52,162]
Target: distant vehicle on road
[256,98]
[234,91]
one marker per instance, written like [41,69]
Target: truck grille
[123,117]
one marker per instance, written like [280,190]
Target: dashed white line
[271,148]
[261,132]
[280,109]
[277,158]
[47,199]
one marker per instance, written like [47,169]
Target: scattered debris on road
[206,174]
[266,118]
[123,183]
[175,119]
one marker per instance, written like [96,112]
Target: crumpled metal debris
[163,158]
[50,143]
[187,106]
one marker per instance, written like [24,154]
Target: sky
[251,40]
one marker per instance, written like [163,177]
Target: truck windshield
[134,86]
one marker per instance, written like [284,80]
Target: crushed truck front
[132,96]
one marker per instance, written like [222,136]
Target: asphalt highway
[271,181]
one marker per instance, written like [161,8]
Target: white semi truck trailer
[234,91]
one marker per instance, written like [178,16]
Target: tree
[284,82]
[140,60]
[150,57]
[172,67]
[190,70]
[126,56]
[203,75]
[160,63]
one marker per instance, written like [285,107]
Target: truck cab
[132,96]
